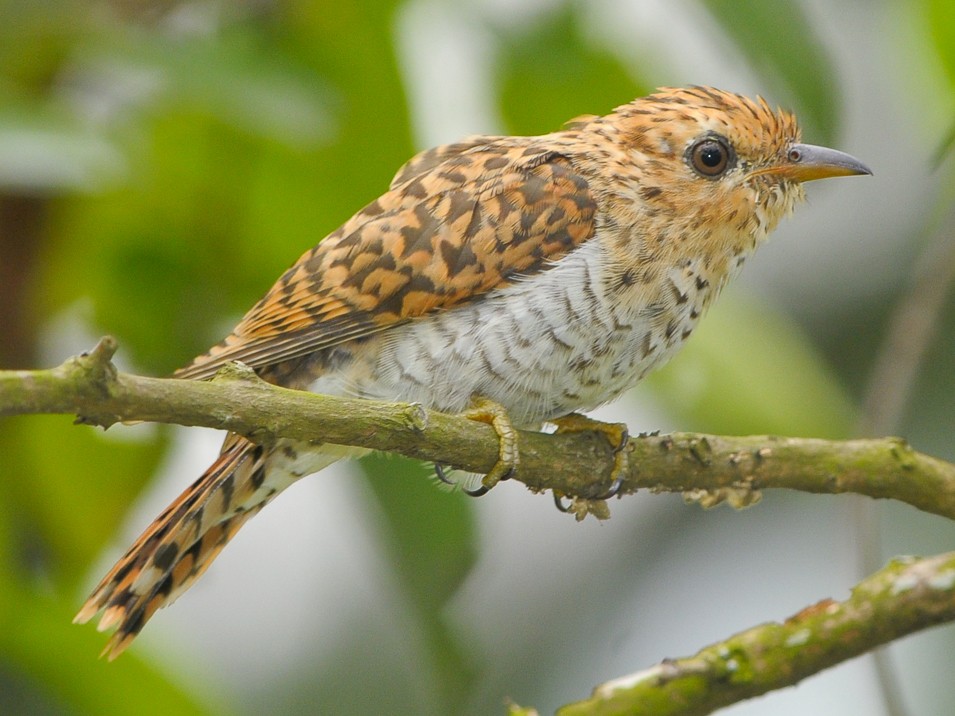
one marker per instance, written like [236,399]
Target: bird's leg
[615,433]
[487,411]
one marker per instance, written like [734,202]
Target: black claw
[614,489]
[476,492]
[558,502]
[484,489]
[441,474]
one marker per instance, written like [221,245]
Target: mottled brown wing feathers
[430,158]
[458,221]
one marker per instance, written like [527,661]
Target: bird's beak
[805,162]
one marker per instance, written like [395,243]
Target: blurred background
[161,163]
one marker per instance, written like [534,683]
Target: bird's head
[714,166]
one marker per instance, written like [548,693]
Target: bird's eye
[710,156]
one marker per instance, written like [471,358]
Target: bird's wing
[458,222]
[425,161]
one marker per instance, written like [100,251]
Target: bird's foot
[494,414]
[617,435]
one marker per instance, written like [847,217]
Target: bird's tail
[171,554]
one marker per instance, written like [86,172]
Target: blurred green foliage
[779,41]
[177,157]
[941,24]
[551,68]
[733,360]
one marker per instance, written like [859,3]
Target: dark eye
[710,156]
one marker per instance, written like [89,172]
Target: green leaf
[749,370]
[782,46]
[70,487]
[942,28]
[41,650]
[430,530]
[430,535]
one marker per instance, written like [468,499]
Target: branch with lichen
[707,468]
[902,598]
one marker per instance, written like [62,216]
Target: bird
[518,280]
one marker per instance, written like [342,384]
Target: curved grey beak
[805,162]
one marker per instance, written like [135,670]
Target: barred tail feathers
[180,544]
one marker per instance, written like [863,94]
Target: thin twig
[912,328]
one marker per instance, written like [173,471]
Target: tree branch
[707,468]
[904,597]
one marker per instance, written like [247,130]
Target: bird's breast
[543,346]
